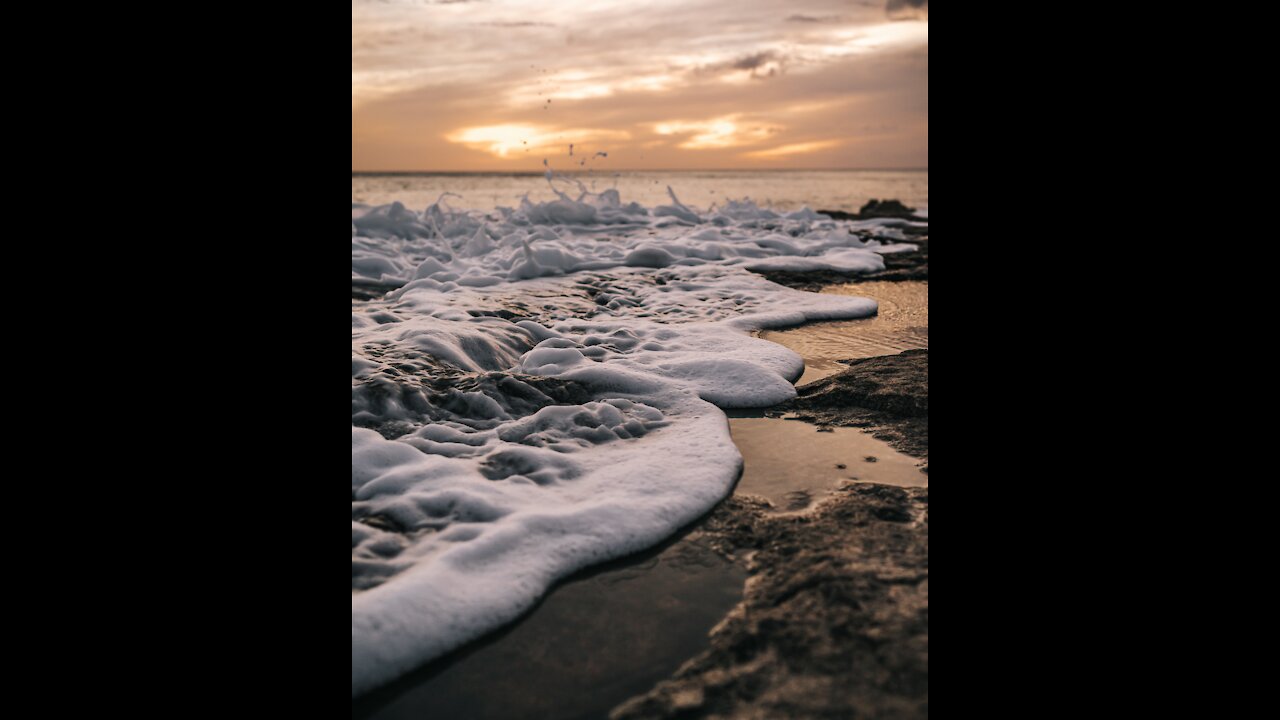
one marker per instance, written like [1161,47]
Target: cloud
[423,75]
[517,24]
[812,20]
[756,65]
[717,133]
[908,9]
[505,140]
[794,149]
[755,62]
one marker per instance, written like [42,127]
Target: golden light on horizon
[504,140]
[796,149]
[725,132]
[502,84]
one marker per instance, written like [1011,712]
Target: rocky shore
[835,619]
[887,396]
[835,622]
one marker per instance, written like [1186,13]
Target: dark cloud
[763,64]
[756,61]
[416,3]
[515,24]
[812,20]
[908,9]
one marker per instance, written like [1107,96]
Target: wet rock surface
[877,210]
[888,396]
[887,209]
[835,622]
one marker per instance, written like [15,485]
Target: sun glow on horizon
[498,85]
[725,132]
[795,149]
[504,140]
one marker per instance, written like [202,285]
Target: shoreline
[835,618]
[807,574]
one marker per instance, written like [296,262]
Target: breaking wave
[539,389]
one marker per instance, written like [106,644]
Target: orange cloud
[794,149]
[503,140]
[500,85]
[725,132]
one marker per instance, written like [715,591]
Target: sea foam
[542,392]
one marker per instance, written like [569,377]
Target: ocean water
[783,190]
[539,389]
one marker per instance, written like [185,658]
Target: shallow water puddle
[592,644]
[793,465]
[602,638]
[903,324]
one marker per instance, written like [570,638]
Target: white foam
[552,377]
[392,245]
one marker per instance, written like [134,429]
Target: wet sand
[902,324]
[794,467]
[594,641]
[603,638]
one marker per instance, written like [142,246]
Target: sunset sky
[475,85]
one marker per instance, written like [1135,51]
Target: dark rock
[887,395]
[887,209]
[835,623]
[878,210]
[894,384]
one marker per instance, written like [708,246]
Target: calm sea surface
[783,190]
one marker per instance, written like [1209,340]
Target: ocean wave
[542,392]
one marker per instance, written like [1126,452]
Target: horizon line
[535,173]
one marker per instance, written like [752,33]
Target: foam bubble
[542,393]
